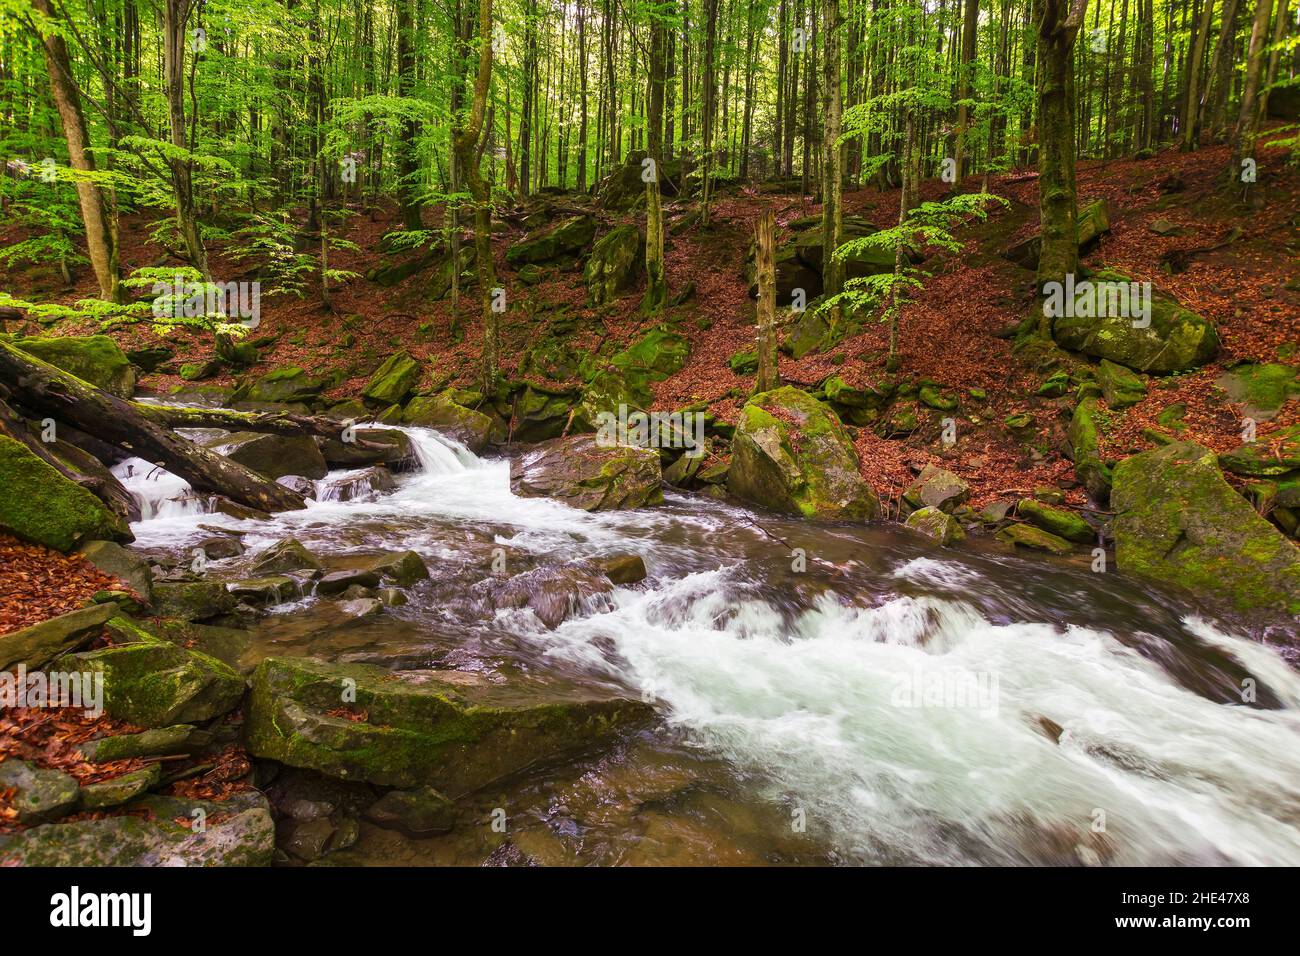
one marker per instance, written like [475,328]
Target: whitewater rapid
[933,715]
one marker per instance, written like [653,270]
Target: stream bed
[824,694]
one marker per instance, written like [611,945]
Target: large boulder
[585,473]
[1176,339]
[272,456]
[472,429]
[616,262]
[450,730]
[393,380]
[626,376]
[155,683]
[1178,521]
[623,188]
[93,358]
[238,831]
[282,386]
[791,454]
[39,505]
[569,237]
[394,449]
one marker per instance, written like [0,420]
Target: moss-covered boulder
[624,378]
[540,414]
[155,683]
[1178,521]
[1175,338]
[937,487]
[1092,222]
[393,380]
[370,446]
[282,386]
[450,730]
[1035,538]
[584,472]
[120,789]
[37,645]
[617,260]
[1060,522]
[568,237]
[1261,388]
[936,524]
[1084,442]
[791,454]
[192,600]
[1120,386]
[238,831]
[272,456]
[1270,456]
[39,505]
[93,358]
[472,429]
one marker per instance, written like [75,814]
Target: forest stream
[822,693]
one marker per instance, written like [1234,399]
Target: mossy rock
[931,395]
[540,415]
[393,380]
[1178,521]
[936,487]
[192,600]
[1120,386]
[239,832]
[873,395]
[744,362]
[454,731]
[287,556]
[93,358]
[37,645]
[1176,339]
[1060,522]
[791,454]
[38,795]
[1029,536]
[1261,388]
[120,789]
[585,472]
[472,429]
[567,238]
[934,523]
[39,505]
[1271,456]
[272,456]
[284,385]
[154,683]
[1054,386]
[1085,450]
[617,261]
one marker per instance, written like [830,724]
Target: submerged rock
[1178,521]
[40,505]
[552,593]
[584,473]
[417,812]
[791,454]
[238,831]
[445,729]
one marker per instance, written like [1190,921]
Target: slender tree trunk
[969,34]
[832,171]
[407,160]
[768,376]
[101,225]
[1248,119]
[1192,103]
[656,287]
[175,15]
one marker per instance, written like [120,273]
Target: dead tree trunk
[47,391]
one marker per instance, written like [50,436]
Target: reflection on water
[878,701]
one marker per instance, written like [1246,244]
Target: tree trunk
[768,376]
[175,15]
[969,34]
[1191,105]
[1248,118]
[101,225]
[656,287]
[407,161]
[47,391]
[832,172]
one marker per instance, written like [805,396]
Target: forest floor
[1249,288]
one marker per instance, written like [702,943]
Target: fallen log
[46,390]
[269,423]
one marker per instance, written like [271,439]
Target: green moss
[95,359]
[393,380]
[1062,523]
[38,504]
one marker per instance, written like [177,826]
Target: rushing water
[825,694]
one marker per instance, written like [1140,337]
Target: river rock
[40,505]
[272,456]
[552,593]
[111,558]
[791,454]
[364,485]
[120,789]
[584,473]
[221,546]
[1028,536]
[336,582]
[158,742]
[622,568]
[1060,522]
[472,429]
[284,385]
[395,450]
[934,523]
[615,264]
[1178,521]
[154,683]
[1176,339]
[937,487]
[266,591]
[192,600]
[37,645]
[393,380]
[96,359]
[239,832]
[287,556]
[417,813]
[1269,457]
[403,568]
[446,729]
[39,795]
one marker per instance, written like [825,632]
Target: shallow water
[825,694]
